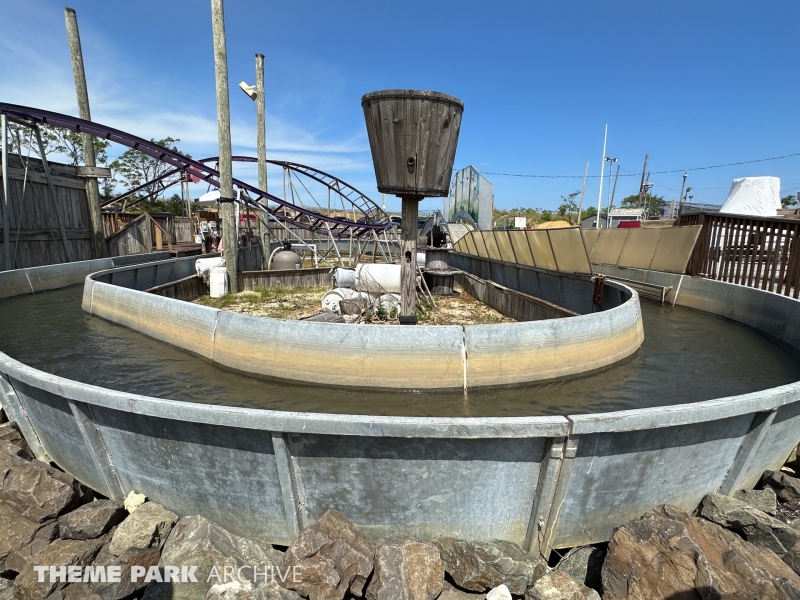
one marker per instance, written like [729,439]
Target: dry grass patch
[299,303]
[276,303]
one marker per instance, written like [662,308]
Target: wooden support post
[6,203]
[261,143]
[408,261]
[92,188]
[230,243]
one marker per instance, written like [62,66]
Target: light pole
[257,95]
[680,196]
[611,161]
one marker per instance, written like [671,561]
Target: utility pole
[602,172]
[641,185]
[613,193]
[261,142]
[261,123]
[583,191]
[92,188]
[680,197]
[226,199]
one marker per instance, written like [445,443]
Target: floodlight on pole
[250,90]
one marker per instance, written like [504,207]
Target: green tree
[788,201]
[56,140]
[569,207]
[135,168]
[655,205]
[174,204]
[589,212]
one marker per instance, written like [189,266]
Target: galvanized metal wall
[663,249]
[440,357]
[268,473]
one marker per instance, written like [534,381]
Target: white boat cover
[754,196]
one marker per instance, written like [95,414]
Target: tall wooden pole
[230,243]
[641,185]
[261,123]
[613,192]
[408,261]
[680,196]
[261,142]
[92,188]
[6,201]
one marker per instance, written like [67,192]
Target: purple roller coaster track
[373,218]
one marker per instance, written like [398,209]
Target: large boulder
[147,527]
[406,569]
[764,500]
[197,542]
[37,491]
[480,566]
[792,558]
[18,559]
[585,565]
[90,520]
[666,554]
[61,553]
[332,558]
[10,434]
[786,487]
[127,586]
[756,526]
[557,585]
[450,592]
[17,533]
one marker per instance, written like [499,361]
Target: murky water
[686,357]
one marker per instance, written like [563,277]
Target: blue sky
[691,83]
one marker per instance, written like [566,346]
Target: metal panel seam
[749,446]
[545,491]
[288,490]
[677,289]
[18,415]
[560,494]
[97,449]
[28,279]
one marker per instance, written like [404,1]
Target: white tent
[754,196]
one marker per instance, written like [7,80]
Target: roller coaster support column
[92,188]
[230,243]
[261,142]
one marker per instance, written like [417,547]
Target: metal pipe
[89,159]
[230,243]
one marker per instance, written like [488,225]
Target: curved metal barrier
[432,357]
[543,482]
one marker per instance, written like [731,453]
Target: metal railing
[758,252]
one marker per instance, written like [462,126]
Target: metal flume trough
[542,482]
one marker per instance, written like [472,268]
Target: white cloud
[35,71]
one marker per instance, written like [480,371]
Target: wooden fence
[34,232]
[180,229]
[759,252]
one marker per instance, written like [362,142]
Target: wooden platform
[186,249]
